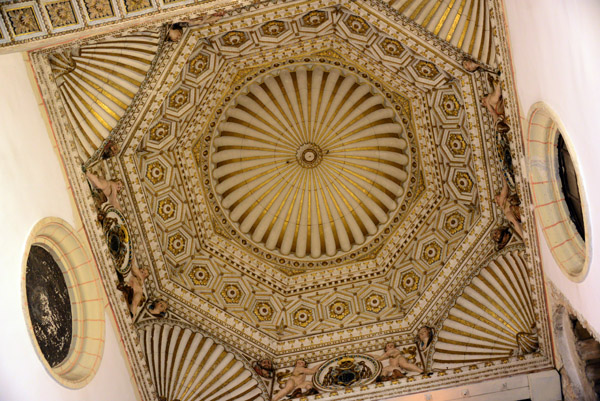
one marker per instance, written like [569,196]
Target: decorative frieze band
[24,22]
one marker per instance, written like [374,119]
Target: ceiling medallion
[432,253]
[200,275]
[410,282]
[235,38]
[231,293]
[199,64]
[309,162]
[454,223]
[463,182]
[357,24]
[392,47]
[178,98]
[374,303]
[166,208]
[314,18]
[273,28]
[177,244]
[159,132]
[426,69]
[450,105]
[263,311]
[457,145]
[339,310]
[303,317]
[309,155]
[155,172]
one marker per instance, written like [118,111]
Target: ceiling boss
[309,162]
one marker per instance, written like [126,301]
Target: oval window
[557,192]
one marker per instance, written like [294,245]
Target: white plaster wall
[556,55]
[539,386]
[33,188]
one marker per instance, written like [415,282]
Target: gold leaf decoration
[492,320]
[186,365]
[465,24]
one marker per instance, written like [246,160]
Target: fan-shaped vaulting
[463,23]
[493,319]
[97,85]
[310,162]
[186,366]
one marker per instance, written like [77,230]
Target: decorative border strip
[46,19]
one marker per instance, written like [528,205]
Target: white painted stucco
[556,58]
[33,187]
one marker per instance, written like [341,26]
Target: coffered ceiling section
[306,174]
[305,180]
[27,24]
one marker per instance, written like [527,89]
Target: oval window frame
[570,251]
[87,301]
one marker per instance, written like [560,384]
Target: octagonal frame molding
[231,332]
[86,295]
[570,252]
[238,265]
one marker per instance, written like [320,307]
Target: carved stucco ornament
[346,371]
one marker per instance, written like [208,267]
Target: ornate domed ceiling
[305,180]
[309,162]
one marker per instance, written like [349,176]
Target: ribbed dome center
[309,162]
[309,155]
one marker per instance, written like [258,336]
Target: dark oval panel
[570,187]
[49,305]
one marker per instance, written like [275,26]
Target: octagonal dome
[309,161]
